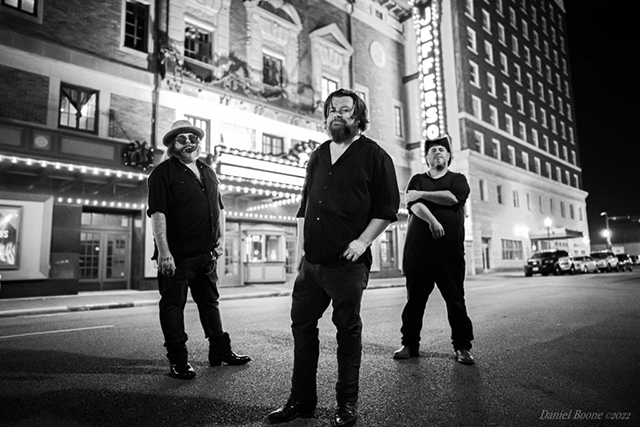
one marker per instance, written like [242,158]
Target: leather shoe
[230,359]
[346,414]
[182,371]
[464,356]
[294,408]
[405,352]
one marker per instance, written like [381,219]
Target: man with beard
[434,251]
[185,210]
[350,196]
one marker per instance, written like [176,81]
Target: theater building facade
[82,118]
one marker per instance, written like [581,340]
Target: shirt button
[318,219]
[319,201]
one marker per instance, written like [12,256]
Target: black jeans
[315,287]
[449,277]
[199,274]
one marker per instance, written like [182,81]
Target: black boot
[220,351]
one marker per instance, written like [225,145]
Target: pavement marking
[56,332]
[484,287]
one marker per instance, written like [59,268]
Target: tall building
[90,87]
[494,75]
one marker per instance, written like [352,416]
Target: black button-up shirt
[192,208]
[339,200]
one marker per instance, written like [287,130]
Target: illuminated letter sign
[426,16]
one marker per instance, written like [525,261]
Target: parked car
[605,260]
[545,262]
[624,262]
[635,259]
[585,264]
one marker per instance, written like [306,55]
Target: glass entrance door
[105,256]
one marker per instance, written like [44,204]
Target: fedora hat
[444,141]
[178,127]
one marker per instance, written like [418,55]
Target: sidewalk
[13,307]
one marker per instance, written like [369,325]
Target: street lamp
[547,223]
[606,233]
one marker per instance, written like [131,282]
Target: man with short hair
[349,197]
[185,207]
[434,250]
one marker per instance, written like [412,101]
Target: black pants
[199,274]
[315,287]
[449,277]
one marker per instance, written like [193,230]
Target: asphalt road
[556,351]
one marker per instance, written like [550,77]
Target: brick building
[90,88]
[502,89]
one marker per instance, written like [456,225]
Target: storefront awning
[555,233]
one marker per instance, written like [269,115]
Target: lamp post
[607,232]
[547,223]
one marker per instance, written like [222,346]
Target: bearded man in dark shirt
[185,207]
[434,251]
[350,196]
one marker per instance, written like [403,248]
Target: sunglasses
[182,139]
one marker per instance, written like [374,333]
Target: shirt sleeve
[307,184]
[157,184]
[460,188]
[385,197]
[412,185]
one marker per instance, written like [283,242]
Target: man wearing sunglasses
[185,209]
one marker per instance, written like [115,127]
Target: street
[556,350]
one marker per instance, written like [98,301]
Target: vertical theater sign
[426,19]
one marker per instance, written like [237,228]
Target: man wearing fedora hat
[185,209]
[434,250]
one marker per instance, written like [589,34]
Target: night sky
[605,63]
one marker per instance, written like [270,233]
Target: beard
[340,131]
[189,153]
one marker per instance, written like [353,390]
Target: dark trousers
[315,287]
[449,277]
[199,274]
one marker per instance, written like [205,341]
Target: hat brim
[170,136]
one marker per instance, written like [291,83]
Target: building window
[27,6]
[78,108]
[469,8]
[483,190]
[508,124]
[205,126]
[534,137]
[493,116]
[504,65]
[501,35]
[328,86]
[506,93]
[516,199]
[272,144]
[512,155]
[486,21]
[525,160]
[522,129]
[562,213]
[471,42]
[473,72]
[488,52]
[491,84]
[499,192]
[572,213]
[397,120]
[476,107]
[536,165]
[479,138]
[496,148]
[271,71]
[197,43]
[512,249]
[136,26]
[528,202]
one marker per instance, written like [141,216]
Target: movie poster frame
[15,211]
